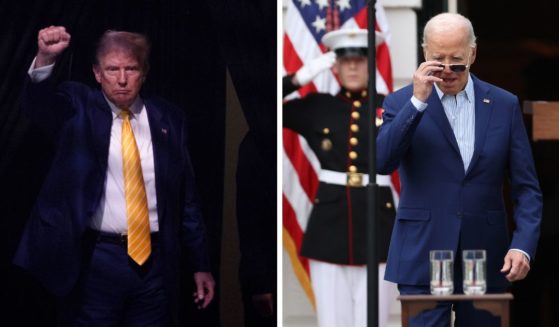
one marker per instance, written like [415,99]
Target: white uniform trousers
[340,292]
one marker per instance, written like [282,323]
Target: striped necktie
[139,242]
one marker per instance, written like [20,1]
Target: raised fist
[52,41]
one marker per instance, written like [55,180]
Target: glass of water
[474,266]
[442,272]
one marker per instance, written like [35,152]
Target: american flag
[306,22]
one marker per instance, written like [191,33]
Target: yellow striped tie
[139,242]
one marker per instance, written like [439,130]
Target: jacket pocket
[413,214]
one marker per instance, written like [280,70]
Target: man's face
[352,72]
[121,77]
[451,47]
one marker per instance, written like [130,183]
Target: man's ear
[97,73]
[335,67]
[473,56]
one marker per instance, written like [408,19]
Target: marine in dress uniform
[337,130]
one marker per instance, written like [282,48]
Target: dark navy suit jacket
[79,120]
[442,206]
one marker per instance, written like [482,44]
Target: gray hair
[135,44]
[446,21]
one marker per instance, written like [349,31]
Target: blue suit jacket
[79,120]
[443,207]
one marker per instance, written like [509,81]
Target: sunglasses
[457,68]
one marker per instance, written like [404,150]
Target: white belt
[351,179]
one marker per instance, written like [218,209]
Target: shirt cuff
[419,105]
[526,254]
[39,74]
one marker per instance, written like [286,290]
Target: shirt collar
[468,90]
[135,108]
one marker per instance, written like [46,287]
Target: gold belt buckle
[354,179]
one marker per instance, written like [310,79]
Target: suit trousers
[114,291]
[341,294]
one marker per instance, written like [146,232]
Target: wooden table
[496,304]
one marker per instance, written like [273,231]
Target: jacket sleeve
[46,105]
[400,119]
[525,189]
[288,86]
[192,223]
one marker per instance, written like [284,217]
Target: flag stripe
[302,160]
[292,61]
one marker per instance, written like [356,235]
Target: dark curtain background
[250,53]
[192,42]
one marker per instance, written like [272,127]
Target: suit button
[326,130]
[317,200]
[353,141]
[326,144]
[352,169]
[388,205]
[357,104]
[353,155]
[355,115]
[354,128]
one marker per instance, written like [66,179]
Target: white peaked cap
[349,38]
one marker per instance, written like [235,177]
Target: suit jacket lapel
[483,111]
[436,112]
[101,121]
[160,139]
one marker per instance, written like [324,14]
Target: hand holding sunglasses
[428,73]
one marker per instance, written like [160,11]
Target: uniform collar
[353,95]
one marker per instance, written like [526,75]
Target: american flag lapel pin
[486,101]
